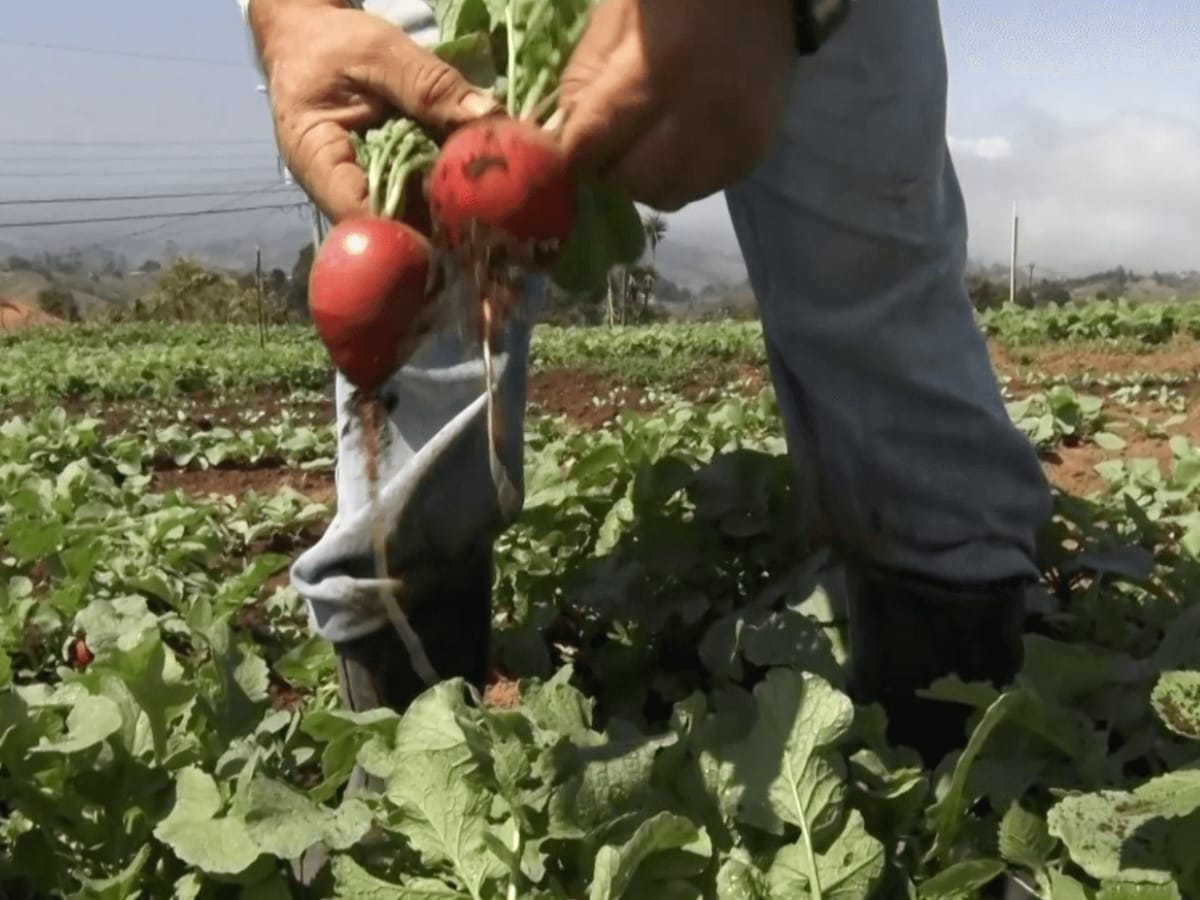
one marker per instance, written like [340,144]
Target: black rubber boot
[453,618]
[907,631]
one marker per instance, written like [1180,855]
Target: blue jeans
[854,234]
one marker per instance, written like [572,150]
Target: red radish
[507,175]
[371,297]
[81,653]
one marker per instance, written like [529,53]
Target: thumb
[422,85]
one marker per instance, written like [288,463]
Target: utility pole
[318,223]
[318,227]
[1012,265]
[258,293]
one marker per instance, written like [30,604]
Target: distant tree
[631,287]
[152,265]
[297,295]
[59,301]
[20,264]
[985,293]
[189,291]
[1052,292]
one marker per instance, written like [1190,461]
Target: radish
[81,654]
[371,296]
[506,175]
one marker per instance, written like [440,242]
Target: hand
[332,69]
[670,101]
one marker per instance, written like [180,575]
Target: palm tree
[635,279]
[655,226]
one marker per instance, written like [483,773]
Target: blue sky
[1087,113]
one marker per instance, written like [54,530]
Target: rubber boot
[907,631]
[453,618]
[454,622]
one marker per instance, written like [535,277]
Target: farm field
[667,717]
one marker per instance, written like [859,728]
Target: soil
[202,411]
[594,399]
[17,315]
[1180,356]
[589,399]
[502,693]
[264,479]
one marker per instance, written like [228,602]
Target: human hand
[331,70]
[670,102]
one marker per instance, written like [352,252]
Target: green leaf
[1024,838]
[1130,890]
[948,815]
[582,263]
[91,721]
[1128,834]
[471,54]
[625,236]
[1176,699]
[242,678]
[615,866]
[557,706]
[456,18]
[120,886]
[851,868]
[1064,887]
[782,770]
[604,782]
[217,846]
[739,879]
[962,880]
[155,679]
[438,789]
[353,882]
[284,822]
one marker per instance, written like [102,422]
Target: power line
[89,158]
[162,226]
[93,173]
[134,218]
[123,197]
[218,186]
[184,142]
[129,54]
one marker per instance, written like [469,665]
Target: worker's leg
[854,234]
[439,506]
[438,502]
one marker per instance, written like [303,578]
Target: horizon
[1088,118]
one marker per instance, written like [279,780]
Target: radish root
[373,427]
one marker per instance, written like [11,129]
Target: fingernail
[479,104]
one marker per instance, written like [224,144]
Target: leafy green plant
[678,723]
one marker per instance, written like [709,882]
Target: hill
[17,315]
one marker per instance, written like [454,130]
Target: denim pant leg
[437,496]
[854,233]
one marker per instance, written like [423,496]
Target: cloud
[984,148]
[1125,191]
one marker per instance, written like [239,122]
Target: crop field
[666,719]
